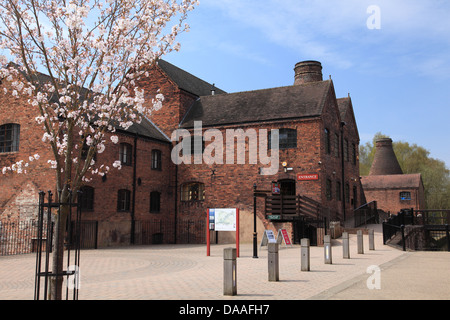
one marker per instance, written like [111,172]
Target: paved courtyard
[184,272]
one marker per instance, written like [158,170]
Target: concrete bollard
[327,249]
[273,262]
[345,245]
[360,243]
[229,272]
[305,264]
[371,240]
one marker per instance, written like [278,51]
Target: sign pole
[237,232]
[208,250]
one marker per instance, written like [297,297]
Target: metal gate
[44,250]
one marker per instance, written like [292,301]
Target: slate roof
[145,128]
[187,81]
[290,102]
[394,181]
[343,104]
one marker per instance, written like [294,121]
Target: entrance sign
[268,237]
[283,235]
[222,219]
[307,177]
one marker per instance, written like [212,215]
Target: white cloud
[335,32]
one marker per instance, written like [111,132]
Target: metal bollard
[345,245]
[305,265]
[229,272]
[273,262]
[327,249]
[360,243]
[371,240]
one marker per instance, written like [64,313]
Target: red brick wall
[176,101]
[389,201]
[17,110]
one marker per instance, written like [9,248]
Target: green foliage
[415,159]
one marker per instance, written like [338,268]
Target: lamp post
[255,245]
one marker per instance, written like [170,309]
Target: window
[9,137]
[328,190]
[123,200]
[156,160]
[192,191]
[87,198]
[405,195]
[338,191]
[353,153]
[347,193]
[125,154]
[155,202]
[327,141]
[345,150]
[85,150]
[287,139]
[336,145]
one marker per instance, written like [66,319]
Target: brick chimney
[385,162]
[308,71]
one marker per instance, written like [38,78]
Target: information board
[224,219]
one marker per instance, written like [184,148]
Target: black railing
[367,213]
[433,223]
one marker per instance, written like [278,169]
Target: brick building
[388,185]
[318,139]
[318,158]
[117,200]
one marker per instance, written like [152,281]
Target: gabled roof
[187,81]
[345,107]
[394,181]
[145,128]
[291,102]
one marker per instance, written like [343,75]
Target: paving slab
[185,272]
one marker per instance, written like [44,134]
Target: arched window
[125,154]
[155,202]
[9,137]
[192,191]
[87,198]
[123,200]
[156,160]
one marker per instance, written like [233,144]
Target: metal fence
[18,237]
[182,231]
[22,237]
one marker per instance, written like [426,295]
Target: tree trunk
[56,282]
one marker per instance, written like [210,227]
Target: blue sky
[398,75]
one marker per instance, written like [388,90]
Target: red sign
[287,241]
[307,177]
[275,188]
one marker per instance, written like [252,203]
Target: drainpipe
[342,169]
[133,207]
[176,204]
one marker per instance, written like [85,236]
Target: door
[287,187]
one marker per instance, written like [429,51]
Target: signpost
[222,219]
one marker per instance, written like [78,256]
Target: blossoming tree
[91,52]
